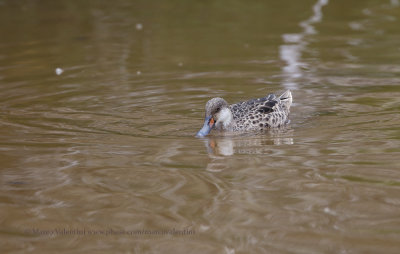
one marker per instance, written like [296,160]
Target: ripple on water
[109,142]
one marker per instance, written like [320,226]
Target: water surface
[100,155]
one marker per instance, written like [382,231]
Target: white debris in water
[138,72]
[59,71]
[139,26]
[329,211]
[180,64]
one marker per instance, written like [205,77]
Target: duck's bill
[208,124]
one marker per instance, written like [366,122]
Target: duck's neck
[225,118]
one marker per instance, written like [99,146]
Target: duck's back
[262,113]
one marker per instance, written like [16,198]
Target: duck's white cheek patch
[225,117]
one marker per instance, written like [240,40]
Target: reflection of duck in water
[249,144]
[252,115]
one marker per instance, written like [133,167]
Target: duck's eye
[218,109]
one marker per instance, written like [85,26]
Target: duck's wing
[270,96]
[267,104]
[263,105]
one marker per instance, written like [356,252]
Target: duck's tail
[286,100]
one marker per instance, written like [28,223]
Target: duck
[252,115]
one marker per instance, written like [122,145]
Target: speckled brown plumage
[262,113]
[255,114]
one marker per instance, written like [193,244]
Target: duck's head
[218,115]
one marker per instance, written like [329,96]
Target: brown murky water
[100,101]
